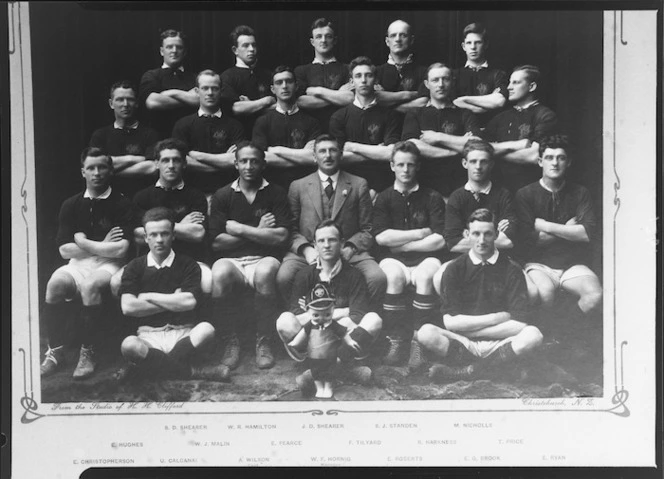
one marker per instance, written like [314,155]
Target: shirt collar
[216,113]
[450,106]
[478,67]
[167,263]
[103,196]
[391,61]
[133,126]
[240,64]
[236,184]
[485,191]
[334,272]
[541,181]
[373,103]
[521,108]
[181,68]
[323,177]
[477,260]
[179,186]
[321,62]
[412,190]
[292,111]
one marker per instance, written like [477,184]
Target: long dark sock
[423,307]
[160,365]
[181,355]
[56,316]
[267,312]
[225,315]
[91,316]
[394,315]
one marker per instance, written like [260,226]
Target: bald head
[398,38]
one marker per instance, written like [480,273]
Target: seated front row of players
[574,200]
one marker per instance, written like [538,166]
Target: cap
[319,297]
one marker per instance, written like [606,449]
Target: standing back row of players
[250,229]
[355,112]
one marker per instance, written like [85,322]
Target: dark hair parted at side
[477,145]
[554,141]
[239,31]
[327,223]
[531,71]
[322,23]
[94,152]
[282,69]
[157,214]
[477,28]
[483,215]
[324,137]
[172,33]
[357,61]
[127,84]
[171,144]
[406,147]
[249,144]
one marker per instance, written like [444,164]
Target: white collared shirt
[333,272]
[216,113]
[235,186]
[478,67]
[390,60]
[321,62]
[521,108]
[292,111]
[404,192]
[485,191]
[477,260]
[133,126]
[240,63]
[179,186]
[357,103]
[167,263]
[451,105]
[323,178]
[103,196]
[181,68]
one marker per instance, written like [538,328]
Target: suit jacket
[352,210]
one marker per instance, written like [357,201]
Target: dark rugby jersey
[182,202]
[94,217]
[370,126]
[229,204]
[533,123]
[423,208]
[289,130]
[330,75]
[252,83]
[156,81]
[462,203]
[481,82]
[477,289]
[348,287]
[411,78]
[447,174]
[184,273]
[535,201]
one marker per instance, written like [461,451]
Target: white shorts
[247,266]
[80,269]
[559,276]
[406,270]
[164,338]
[479,348]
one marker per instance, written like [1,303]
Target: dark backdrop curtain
[78,52]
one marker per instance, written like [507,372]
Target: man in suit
[330,193]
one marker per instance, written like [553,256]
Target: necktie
[329,190]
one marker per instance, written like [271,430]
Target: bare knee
[591,300]
[59,288]
[116,281]
[528,339]
[288,325]
[396,281]
[265,276]
[133,349]
[372,323]
[201,333]
[428,335]
[92,288]
[423,275]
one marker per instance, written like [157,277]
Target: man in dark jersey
[400,79]
[515,132]
[557,225]
[440,131]
[160,291]
[351,317]
[94,231]
[286,133]
[250,224]
[168,92]
[479,88]
[210,135]
[245,84]
[409,220]
[366,130]
[484,311]
[128,141]
[319,82]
